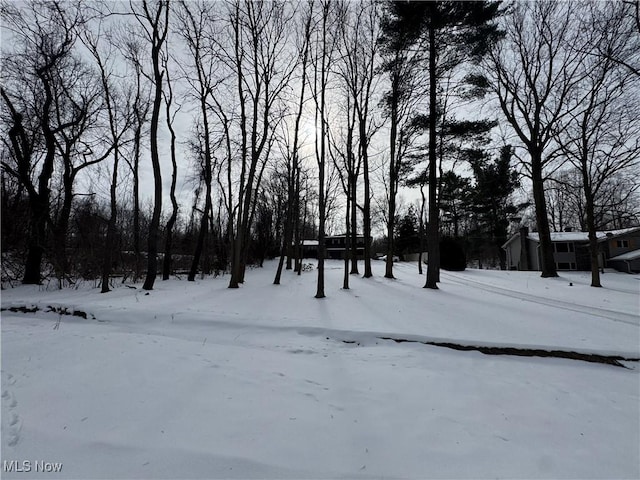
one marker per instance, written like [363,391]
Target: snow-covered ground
[193,380]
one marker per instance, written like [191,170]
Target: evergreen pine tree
[495,183]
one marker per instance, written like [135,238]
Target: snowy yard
[193,380]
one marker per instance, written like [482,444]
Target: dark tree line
[292,120]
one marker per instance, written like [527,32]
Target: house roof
[342,235]
[576,236]
[583,236]
[563,236]
[632,255]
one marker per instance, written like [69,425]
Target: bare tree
[78,101]
[600,135]
[323,55]
[170,116]
[293,155]
[119,103]
[261,67]
[358,68]
[533,74]
[343,154]
[197,24]
[616,205]
[618,24]
[45,34]
[368,25]
[133,51]
[224,176]
[154,21]
[402,67]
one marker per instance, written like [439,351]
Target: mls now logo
[25,466]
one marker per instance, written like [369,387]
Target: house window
[566,266]
[563,247]
[622,243]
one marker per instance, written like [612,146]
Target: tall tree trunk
[293,182]
[353,226]
[433,229]
[22,151]
[238,240]
[289,249]
[61,228]
[111,226]
[202,233]
[40,201]
[366,214]
[321,233]
[591,226]
[322,154]
[347,238]
[208,175]
[300,242]
[393,178]
[168,244]
[37,238]
[154,226]
[294,203]
[421,229]
[137,251]
[298,229]
[236,258]
[547,261]
[286,247]
[287,234]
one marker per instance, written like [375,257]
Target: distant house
[619,249]
[334,246]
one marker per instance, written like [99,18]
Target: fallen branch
[526,352]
